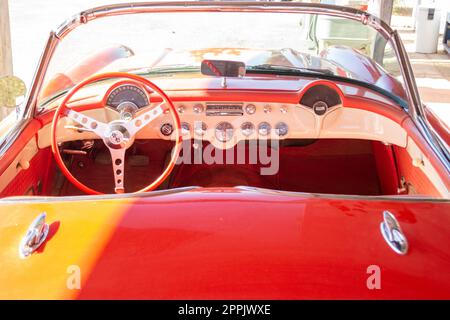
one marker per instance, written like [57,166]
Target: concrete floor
[30,25]
[432,73]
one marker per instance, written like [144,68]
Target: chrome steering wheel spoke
[118,164]
[136,124]
[87,123]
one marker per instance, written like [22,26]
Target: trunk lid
[225,243]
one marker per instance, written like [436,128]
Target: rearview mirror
[223,68]
[12,91]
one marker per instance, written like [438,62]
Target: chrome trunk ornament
[392,233]
[35,236]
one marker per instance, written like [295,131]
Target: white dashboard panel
[361,124]
[301,122]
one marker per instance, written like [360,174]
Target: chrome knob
[267,109]
[181,109]
[198,108]
[185,128]
[250,109]
[200,128]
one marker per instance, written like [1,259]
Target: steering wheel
[117,135]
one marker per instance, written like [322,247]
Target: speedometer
[127,93]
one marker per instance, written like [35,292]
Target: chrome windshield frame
[415,108]
[210,6]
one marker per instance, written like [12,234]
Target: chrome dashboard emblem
[116,137]
[35,236]
[392,233]
[320,108]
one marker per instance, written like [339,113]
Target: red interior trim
[25,136]
[38,176]
[414,134]
[386,167]
[414,176]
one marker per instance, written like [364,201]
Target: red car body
[234,242]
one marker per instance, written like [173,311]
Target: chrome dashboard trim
[224,109]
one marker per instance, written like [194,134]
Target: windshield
[157,44]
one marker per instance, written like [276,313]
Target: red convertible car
[224,150]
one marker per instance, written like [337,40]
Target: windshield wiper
[291,70]
[324,74]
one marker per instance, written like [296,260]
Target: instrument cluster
[226,121]
[222,120]
[127,99]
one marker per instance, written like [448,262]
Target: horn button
[117,136]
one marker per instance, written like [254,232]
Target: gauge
[166,129]
[127,93]
[185,128]
[200,128]
[247,128]
[322,93]
[281,129]
[224,131]
[264,128]
[267,109]
[127,110]
[250,109]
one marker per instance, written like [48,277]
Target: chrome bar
[408,76]
[39,75]
[164,7]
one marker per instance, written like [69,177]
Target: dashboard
[225,124]
[320,112]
